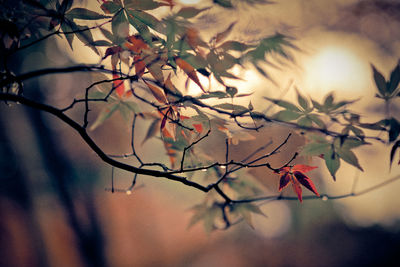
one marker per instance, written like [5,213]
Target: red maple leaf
[296,175]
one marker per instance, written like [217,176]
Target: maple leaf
[296,175]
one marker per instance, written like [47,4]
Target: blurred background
[56,207]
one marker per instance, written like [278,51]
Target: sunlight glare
[336,68]
[189,2]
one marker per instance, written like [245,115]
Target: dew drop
[128,192]
[324,198]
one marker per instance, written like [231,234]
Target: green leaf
[96,95]
[125,112]
[234,45]
[142,4]
[70,37]
[104,86]
[101,43]
[145,18]
[284,104]
[379,81]
[349,157]
[209,218]
[132,106]
[394,130]
[332,162]
[216,94]
[315,149]
[236,108]
[190,12]
[232,91]
[349,143]
[104,115]
[302,101]
[393,151]
[394,79]
[110,7]
[142,28]
[224,3]
[287,115]
[305,122]
[316,119]
[107,34]
[83,13]
[152,131]
[65,6]
[328,103]
[317,105]
[84,35]
[199,213]
[120,27]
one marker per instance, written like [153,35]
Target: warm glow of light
[336,68]
[189,2]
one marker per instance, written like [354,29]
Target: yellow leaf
[157,92]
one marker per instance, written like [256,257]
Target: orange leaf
[157,92]
[135,44]
[139,65]
[222,35]
[297,189]
[119,85]
[189,70]
[303,168]
[198,127]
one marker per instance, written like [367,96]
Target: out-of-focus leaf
[132,106]
[224,3]
[379,81]
[103,86]
[316,119]
[222,35]
[305,121]
[96,95]
[199,213]
[143,4]
[101,43]
[394,130]
[393,151]
[302,101]
[284,104]
[209,218]
[190,12]
[232,91]
[328,102]
[238,109]
[216,94]
[287,115]
[394,79]
[152,131]
[234,45]
[83,13]
[104,115]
